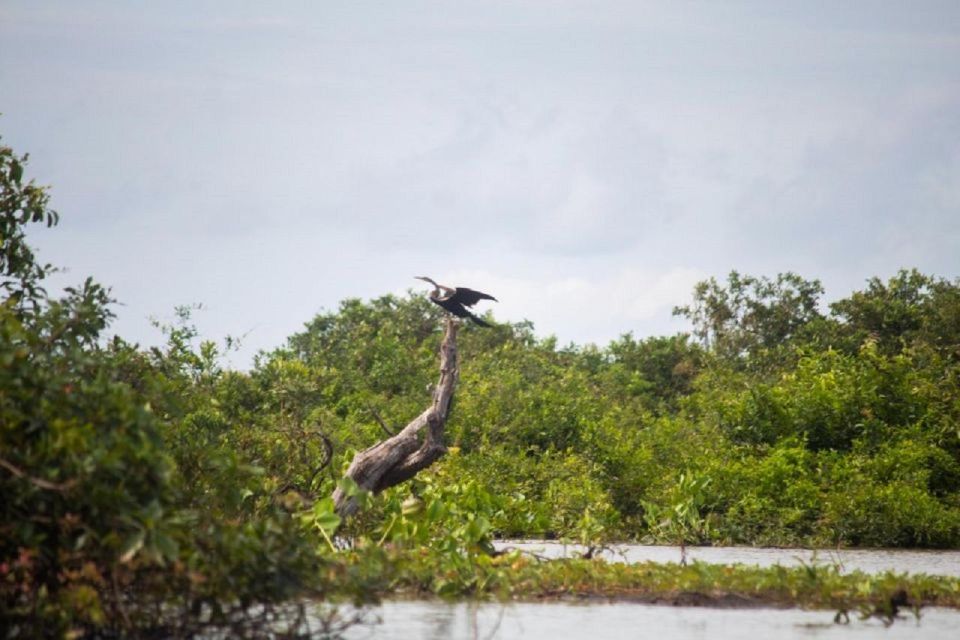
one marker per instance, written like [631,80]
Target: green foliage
[890,498]
[830,400]
[655,372]
[750,316]
[21,203]
[774,498]
[125,506]
[86,483]
[910,308]
[681,520]
[579,502]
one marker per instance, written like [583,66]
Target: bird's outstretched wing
[469,297]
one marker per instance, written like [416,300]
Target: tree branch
[402,456]
[383,425]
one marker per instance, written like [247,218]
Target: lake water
[943,563]
[437,620]
[431,620]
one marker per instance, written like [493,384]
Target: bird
[457,299]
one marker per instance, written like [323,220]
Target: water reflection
[432,620]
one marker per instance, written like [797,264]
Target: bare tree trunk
[400,457]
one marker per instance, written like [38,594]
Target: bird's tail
[479,321]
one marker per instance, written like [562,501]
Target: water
[434,620]
[944,563]
[597,620]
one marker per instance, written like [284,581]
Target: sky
[585,162]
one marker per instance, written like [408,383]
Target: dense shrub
[125,506]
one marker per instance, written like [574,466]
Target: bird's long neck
[442,291]
[439,291]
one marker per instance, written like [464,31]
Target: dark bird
[457,299]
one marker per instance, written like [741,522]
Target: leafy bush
[123,503]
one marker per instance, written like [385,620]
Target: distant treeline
[154,490]
[773,424]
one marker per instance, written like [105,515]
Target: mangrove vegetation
[157,492]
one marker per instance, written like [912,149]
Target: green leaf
[327,522]
[325,517]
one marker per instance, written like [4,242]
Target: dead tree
[400,457]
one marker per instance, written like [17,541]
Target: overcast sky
[585,162]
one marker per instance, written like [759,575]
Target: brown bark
[400,457]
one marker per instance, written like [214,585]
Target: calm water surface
[436,620]
[557,621]
[944,563]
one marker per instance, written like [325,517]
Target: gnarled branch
[402,456]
